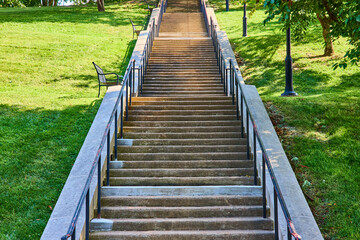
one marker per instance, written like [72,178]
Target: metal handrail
[126,91]
[97,161]
[235,86]
[235,82]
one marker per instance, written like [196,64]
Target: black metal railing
[85,196]
[231,80]
[237,91]
[124,98]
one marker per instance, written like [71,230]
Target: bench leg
[99,91]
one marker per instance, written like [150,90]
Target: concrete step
[182,99]
[234,190]
[175,172]
[181,66]
[180,181]
[181,107]
[182,70]
[182,79]
[183,74]
[144,213]
[185,142]
[183,43]
[157,64]
[181,149]
[182,118]
[181,124]
[170,88]
[183,55]
[197,129]
[188,59]
[189,112]
[178,93]
[183,50]
[182,164]
[216,223]
[184,201]
[177,61]
[150,85]
[185,235]
[183,156]
[198,135]
[190,102]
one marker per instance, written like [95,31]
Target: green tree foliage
[299,14]
[337,18]
[11,3]
[347,25]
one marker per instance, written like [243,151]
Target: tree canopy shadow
[75,14]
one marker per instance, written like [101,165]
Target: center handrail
[235,88]
[126,91]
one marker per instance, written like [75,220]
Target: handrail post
[73,236]
[254,156]
[247,134]
[121,117]
[241,112]
[99,188]
[237,109]
[263,184]
[276,218]
[116,134]
[108,159]
[130,83]
[87,214]
[127,100]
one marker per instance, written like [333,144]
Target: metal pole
[289,89]
[227,5]
[244,22]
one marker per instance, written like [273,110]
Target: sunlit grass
[48,99]
[325,116]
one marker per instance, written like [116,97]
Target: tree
[348,26]
[100,5]
[299,14]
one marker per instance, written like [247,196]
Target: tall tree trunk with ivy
[100,5]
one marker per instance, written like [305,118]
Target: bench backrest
[133,25]
[100,73]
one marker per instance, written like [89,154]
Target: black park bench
[104,81]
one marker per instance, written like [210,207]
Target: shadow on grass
[38,148]
[75,14]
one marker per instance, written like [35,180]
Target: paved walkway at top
[183,19]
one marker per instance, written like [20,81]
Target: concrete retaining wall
[65,207]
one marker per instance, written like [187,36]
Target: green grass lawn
[48,99]
[319,129]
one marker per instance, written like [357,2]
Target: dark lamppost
[289,88]
[227,5]
[244,22]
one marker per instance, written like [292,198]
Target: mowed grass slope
[48,99]
[320,128]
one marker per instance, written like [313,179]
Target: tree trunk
[325,24]
[44,2]
[100,5]
[55,2]
[51,3]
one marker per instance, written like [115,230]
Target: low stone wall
[65,207]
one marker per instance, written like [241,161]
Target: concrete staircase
[186,174]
